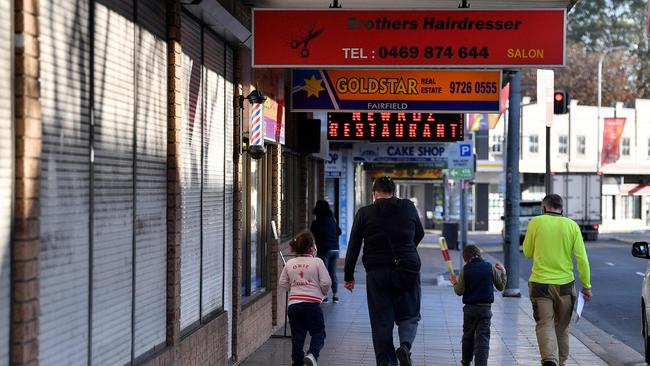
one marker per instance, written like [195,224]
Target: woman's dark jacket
[326,232]
[374,224]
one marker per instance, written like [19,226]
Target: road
[616,278]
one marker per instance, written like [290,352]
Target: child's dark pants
[306,317]
[476,334]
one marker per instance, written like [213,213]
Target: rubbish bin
[450,232]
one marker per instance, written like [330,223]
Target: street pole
[600,91]
[511,243]
[547,176]
[463,221]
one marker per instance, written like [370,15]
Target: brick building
[135,227]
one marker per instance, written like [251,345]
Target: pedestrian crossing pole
[511,242]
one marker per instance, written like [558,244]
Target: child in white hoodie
[308,282]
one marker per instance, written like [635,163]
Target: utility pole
[463,220]
[511,243]
[547,175]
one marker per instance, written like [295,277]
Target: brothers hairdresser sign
[408,38]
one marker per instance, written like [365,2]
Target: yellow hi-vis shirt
[552,240]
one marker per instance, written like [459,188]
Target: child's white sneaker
[310,360]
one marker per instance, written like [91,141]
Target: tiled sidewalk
[438,342]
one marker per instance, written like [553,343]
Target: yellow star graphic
[313,86]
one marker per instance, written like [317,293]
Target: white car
[527,210]
[641,250]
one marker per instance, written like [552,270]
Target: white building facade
[574,148]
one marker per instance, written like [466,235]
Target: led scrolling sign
[392,127]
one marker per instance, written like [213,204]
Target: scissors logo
[304,42]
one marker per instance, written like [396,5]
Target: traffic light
[560,102]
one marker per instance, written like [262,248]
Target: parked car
[527,210]
[640,250]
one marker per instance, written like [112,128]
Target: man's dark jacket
[374,224]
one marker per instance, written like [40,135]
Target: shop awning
[641,190]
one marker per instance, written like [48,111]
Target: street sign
[439,155]
[395,127]
[460,173]
[545,93]
[408,38]
[396,90]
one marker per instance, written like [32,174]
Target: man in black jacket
[390,230]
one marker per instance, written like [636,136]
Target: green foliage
[595,25]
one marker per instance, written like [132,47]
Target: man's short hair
[553,201]
[384,185]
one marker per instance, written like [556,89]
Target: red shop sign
[408,38]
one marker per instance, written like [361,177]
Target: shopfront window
[254,258]
[632,207]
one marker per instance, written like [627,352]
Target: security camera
[256,151]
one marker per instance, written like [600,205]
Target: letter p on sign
[465,150]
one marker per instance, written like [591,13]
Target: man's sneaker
[335,300]
[404,355]
[310,360]
[325,299]
[549,363]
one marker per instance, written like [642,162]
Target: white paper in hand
[580,306]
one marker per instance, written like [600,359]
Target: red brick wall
[255,325]
[206,346]
[26,244]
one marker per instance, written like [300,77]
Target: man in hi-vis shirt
[552,241]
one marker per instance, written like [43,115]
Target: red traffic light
[560,102]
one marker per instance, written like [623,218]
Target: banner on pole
[612,132]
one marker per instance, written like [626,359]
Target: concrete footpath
[438,341]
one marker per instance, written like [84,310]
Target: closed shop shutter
[191,171]
[229,177]
[113,182]
[6,174]
[151,175]
[213,174]
[64,185]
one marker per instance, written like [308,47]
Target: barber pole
[256,125]
[445,254]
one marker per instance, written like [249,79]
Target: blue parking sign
[465,150]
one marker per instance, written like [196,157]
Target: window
[562,142]
[254,267]
[495,203]
[533,144]
[496,144]
[625,146]
[631,207]
[582,141]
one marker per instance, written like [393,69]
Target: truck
[581,194]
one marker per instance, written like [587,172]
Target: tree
[593,26]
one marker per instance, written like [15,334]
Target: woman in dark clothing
[326,231]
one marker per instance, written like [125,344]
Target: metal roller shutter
[112,224]
[6,173]
[213,174]
[191,171]
[229,187]
[64,185]
[151,177]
